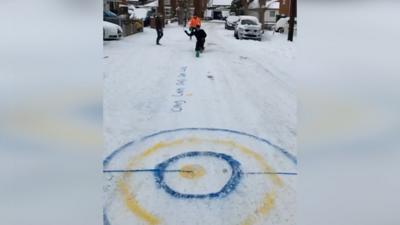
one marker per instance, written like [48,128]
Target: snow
[232,19]
[152,4]
[221,2]
[235,86]
[108,25]
[274,4]
[141,13]
[138,13]
[252,18]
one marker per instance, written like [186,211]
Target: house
[113,5]
[180,9]
[168,13]
[271,11]
[284,9]
[136,2]
[217,9]
[120,15]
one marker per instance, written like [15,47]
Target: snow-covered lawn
[234,105]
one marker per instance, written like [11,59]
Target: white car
[248,27]
[230,22]
[282,25]
[111,31]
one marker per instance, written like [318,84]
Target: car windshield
[109,14]
[249,22]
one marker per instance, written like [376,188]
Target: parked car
[230,22]
[248,27]
[282,25]
[111,31]
[111,17]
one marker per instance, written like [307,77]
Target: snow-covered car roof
[110,25]
[232,19]
[249,18]
[284,18]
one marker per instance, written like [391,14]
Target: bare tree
[161,8]
[173,8]
[198,8]
[261,12]
[245,5]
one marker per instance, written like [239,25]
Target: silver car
[248,27]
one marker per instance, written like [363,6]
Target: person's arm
[189,34]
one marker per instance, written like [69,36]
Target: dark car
[230,22]
[111,17]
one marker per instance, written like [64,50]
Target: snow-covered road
[241,85]
[239,92]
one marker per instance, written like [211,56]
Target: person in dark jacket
[200,35]
[159,28]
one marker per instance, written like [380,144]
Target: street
[237,84]
[230,111]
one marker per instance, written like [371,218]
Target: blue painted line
[107,160]
[282,150]
[229,187]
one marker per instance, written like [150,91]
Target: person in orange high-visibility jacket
[193,23]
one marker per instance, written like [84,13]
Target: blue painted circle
[227,189]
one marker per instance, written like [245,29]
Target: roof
[274,4]
[152,4]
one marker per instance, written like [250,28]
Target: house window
[272,13]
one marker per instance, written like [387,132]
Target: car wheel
[280,30]
[236,35]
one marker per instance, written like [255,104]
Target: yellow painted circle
[192,171]
[267,202]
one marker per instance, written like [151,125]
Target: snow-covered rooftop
[274,4]
[152,4]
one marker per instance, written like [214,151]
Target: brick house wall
[284,7]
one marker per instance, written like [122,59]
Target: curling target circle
[194,171]
[200,176]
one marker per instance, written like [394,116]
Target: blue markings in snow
[227,189]
[124,147]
